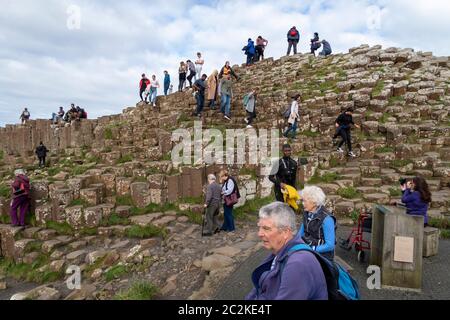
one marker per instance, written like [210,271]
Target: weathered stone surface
[49,245]
[93,216]
[74,216]
[76,257]
[226,251]
[40,293]
[147,219]
[163,221]
[92,257]
[140,193]
[216,261]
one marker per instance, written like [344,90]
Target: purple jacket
[414,204]
[302,277]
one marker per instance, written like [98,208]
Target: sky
[92,52]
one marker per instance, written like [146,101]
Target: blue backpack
[340,284]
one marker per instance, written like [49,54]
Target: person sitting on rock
[286,274]
[318,227]
[315,43]
[41,153]
[212,206]
[416,196]
[326,51]
[20,198]
[343,123]
[25,116]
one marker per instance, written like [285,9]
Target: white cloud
[44,65]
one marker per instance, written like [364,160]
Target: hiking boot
[227,117]
[249,127]
[209,234]
[246,120]
[351,154]
[340,150]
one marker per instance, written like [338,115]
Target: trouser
[200,103]
[153,93]
[250,59]
[278,194]
[292,43]
[225,104]
[182,78]
[198,72]
[259,53]
[325,53]
[338,131]
[250,117]
[212,220]
[41,161]
[166,89]
[140,94]
[24,203]
[189,78]
[212,103]
[346,138]
[292,127]
[228,220]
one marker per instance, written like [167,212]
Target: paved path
[436,279]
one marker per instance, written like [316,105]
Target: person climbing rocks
[315,43]
[293,117]
[212,84]
[227,71]
[250,107]
[41,153]
[293,37]
[249,51]
[166,82]
[143,86]
[199,87]
[154,85]
[343,126]
[192,73]
[20,198]
[226,94]
[25,116]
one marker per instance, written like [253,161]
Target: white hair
[282,215]
[19,172]
[211,177]
[314,194]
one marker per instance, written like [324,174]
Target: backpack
[246,100]
[293,33]
[287,112]
[340,284]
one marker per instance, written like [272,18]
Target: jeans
[324,53]
[200,103]
[182,78]
[346,138]
[22,202]
[153,92]
[225,104]
[228,220]
[212,104]
[292,127]
[140,94]
[166,89]
[292,43]
[250,59]
[189,78]
[250,117]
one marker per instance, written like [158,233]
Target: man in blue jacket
[293,37]
[285,274]
[250,51]
[166,82]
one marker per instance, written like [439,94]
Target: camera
[402,181]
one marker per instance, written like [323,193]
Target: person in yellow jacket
[290,196]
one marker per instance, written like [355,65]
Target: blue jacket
[250,48]
[302,277]
[414,204]
[328,233]
[326,47]
[166,81]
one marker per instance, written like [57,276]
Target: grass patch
[250,209]
[149,231]
[138,291]
[77,170]
[115,219]
[89,232]
[310,134]
[2,155]
[107,134]
[325,178]
[194,217]
[33,246]
[192,200]
[125,158]
[378,88]
[62,228]
[445,234]
[5,191]
[394,100]
[5,219]
[115,272]
[334,162]
[79,202]
[439,223]
[395,192]
[384,118]
[349,193]
[354,215]
[124,200]
[248,172]
[398,163]
[153,207]
[53,171]
[384,150]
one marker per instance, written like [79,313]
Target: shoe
[217,231]
[340,150]
[209,234]
[249,127]
[227,117]
[246,120]
[154,104]
[351,154]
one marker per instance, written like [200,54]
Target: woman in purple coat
[417,197]
[20,198]
[285,275]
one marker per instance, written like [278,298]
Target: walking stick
[203,220]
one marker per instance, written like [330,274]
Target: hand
[205,205]
[337,125]
[282,185]
[358,126]
[403,187]
[409,184]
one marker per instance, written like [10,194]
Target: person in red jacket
[20,198]
[143,86]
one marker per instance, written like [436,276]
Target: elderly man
[286,274]
[318,227]
[212,205]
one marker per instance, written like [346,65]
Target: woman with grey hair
[212,206]
[286,274]
[20,197]
[318,227]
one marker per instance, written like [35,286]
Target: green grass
[124,200]
[33,246]
[114,220]
[183,117]
[96,265]
[107,134]
[384,118]
[153,207]
[149,231]
[5,191]
[325,178]
[354,215]
[194,217]
[77,170]
[445,234]
[398,163]
[334,162]
[310,134]
[107,149]
[167,157]
[79,202]
[384,149]
[53,171]
[2,155]
[192,200]
[393,100]
[378,88]
[248,171]
[439,223]
[249,211]
[125,158]
[395,192]
[61,228]
[140,290]
[89,232]
[349,193]
[5,219]
[115,272]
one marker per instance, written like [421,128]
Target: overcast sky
[49,58]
